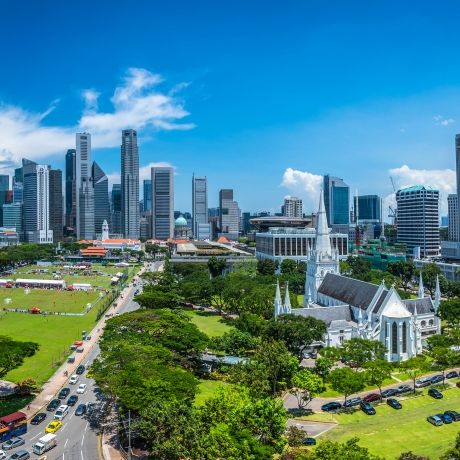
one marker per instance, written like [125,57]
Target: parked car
[53,405]
[81,388]
[367,408]
[445,418]
[454,415]
[53,426]
[12,443]
[331,407]
[22,454]
[64,393]
[81,409]
[420,383]
[437,378]
[80,369]
[394,403]
[72,400]
[404,389]
[74,379]
[436,394]
[309,441]
[371,397]
[352,402]
[435,420]
[37,419]
[2,455]
[390,392]
[71,359]
[452,375]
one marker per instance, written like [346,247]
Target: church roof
[326,314]
[347,290]
[380,300]
[424,305]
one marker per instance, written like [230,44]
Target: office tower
[101,197]
[129,184]
[147,198]
[18,190]
[84,188]
[18,175]
[162,202]
[292,207]
[12,216]
[367,208]
[336,200]
[70,190]
[56,205]
[200,223]
[115,210]
[229,219]
[418,219]
[36,212]
[452,209]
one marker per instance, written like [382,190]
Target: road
[78,437]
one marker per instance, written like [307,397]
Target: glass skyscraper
[336,200]
[147,195]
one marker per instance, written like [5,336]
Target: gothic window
[404,338]
[394,338]
[431,322]
[423,324]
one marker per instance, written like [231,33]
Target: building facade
[129,184]
[115,209]
[12,216]
[336,200]
[452,209]
[367,208]
[101,197]
[293,207]
[56,206]
[229,218]
[70,190]
[162,202]
[147,195]
[418,219]
[200,223]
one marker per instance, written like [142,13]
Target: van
[61,412]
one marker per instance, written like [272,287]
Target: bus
[11,425]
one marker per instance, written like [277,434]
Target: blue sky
[260,96]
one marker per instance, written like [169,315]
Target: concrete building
[452,209]
[36,223]
[129,184]
[162,202]
[336,200]
[115,209]
[200,223]
[101,197]
[70,190]
[293,207]
[56,205]
[418,219]
[147,195]
[84,188]
[229,218]
[367,208]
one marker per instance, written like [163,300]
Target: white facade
[229,214]
[293,207]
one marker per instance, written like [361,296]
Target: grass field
[391,432]
[206,389]
[211,324]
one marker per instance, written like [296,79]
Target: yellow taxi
[53,426]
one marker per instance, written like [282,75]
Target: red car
[371,397]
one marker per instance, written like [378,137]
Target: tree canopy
[13,352]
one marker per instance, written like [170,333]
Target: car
[352,402]
[81,409]
[436,394]
[81,388]
[420,383]
[394,403]
[72,400]
[435,420]
[38,418]
[404,389]
[454,415]
[371,397]
[12,443]
[20,455]
[80,349]
[309,441]
[437,378]
[390,392]
[53,405]
[74,379]
[452,375]
[71,359]
[2,455]
[367,408]
[445,418]
[64,393]
[80,369]
[90,407]
[88,337]
[331,407]
[53,426]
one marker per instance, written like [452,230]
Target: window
[394,338]
[404,338]
[431,322]
[423,323]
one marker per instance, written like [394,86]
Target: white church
[352,308]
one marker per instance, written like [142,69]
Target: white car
[81,388]
[74,379]
[2,455]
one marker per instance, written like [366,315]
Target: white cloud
[137,104]
[439,120]
[304,185]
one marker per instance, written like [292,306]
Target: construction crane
[393,213]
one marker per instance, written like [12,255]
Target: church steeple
[278,304]
[437,294]
[421,290]
[287,301]
[323,242]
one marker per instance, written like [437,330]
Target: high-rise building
[452,209]
[115,209]
[129,184]
[101,197]
[84,188]
[162,202]
[12,216]
[70,190]
[200,223]
[418,219]
[367,208]
[36,212]
[229,219]
[336,200]
[56,208]
[292,207]
[147,198]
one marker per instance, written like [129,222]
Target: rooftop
[418,188]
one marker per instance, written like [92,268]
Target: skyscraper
[115,210]
[70,190]
[336,200]
[55,204]
[12,216]
[367,208]
[229,218]
[129,184]
[147,198]
[84,188]
[36,213]
[293,207]
[163,202]
[200,224]
[101,197]
[452,209]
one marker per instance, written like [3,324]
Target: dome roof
[180,222]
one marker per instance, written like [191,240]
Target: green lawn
[390,432]
[211,324]
[206,389]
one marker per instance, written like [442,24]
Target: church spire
[287,300]
[421,290]
[437,294]
[278,304]
[323,242]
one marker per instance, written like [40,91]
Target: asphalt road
[77,438]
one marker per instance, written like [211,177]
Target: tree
[323,367]
[346,381]
[411,456]
[444,358]
[377,372]
[404,270]
[305,386]
[288,266]
[356,352]
[295,436]
[251,323]
[415,367]
[358,268]
[216,266]
[449,311]
[454,452]
[155,297]
[234,342]
[266,267]
[429,273]
[13,352]
[349,450]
